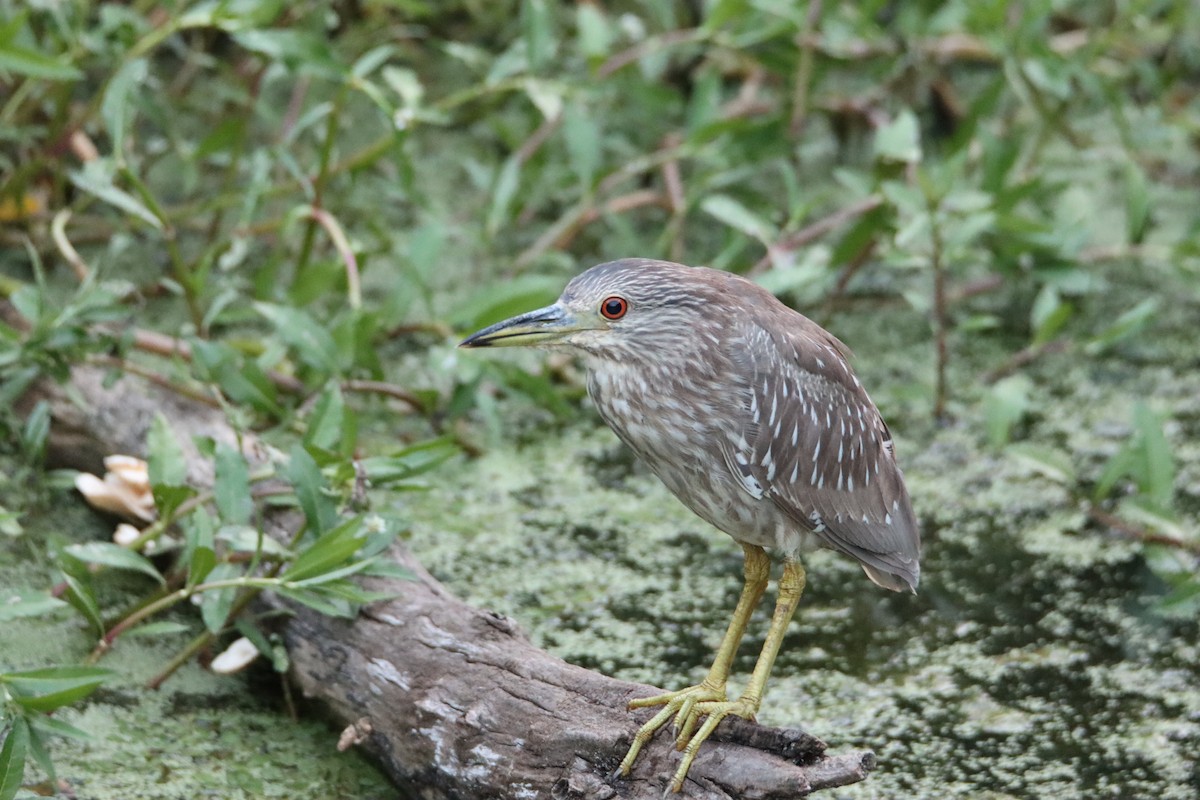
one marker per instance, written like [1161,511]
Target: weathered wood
[453,700]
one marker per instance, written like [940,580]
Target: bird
[751,415]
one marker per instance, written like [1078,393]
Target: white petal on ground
[235,657]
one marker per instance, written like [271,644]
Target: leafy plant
[223,562]
[28,698]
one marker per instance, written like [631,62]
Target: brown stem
[941,322]
[647,46]
[804,71]
[676,199]
[58,234]
[1024,357]
[1131,531]
[815,230]
[856,263]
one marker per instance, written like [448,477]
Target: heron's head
[628,310]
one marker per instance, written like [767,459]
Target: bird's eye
[614,307]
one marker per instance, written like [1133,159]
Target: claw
[688,706]
[715,712]
[681,705]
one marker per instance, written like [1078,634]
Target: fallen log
[454,701]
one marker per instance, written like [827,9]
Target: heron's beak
[544,326]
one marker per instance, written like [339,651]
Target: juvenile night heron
[751,415]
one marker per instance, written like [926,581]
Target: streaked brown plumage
[751,415]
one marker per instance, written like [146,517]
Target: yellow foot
[688,706]
[714,712]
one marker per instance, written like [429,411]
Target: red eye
[614,307]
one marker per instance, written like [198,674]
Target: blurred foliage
[291,208]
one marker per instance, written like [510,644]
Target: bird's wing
[813,442]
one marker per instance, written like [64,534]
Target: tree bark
[454,701]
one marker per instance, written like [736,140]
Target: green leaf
[203,557]
[201,565]
[36,431]
[169,498]
[215,604]
[96,179]
[352,592]
[30,302]
[1127,325]
[1004,406]
[594,33]
[537,24]
[12,758]
[167,466]
[505,189]
[304,475]
[248,629]
[20,60]
[232,17]
[226,135]
[16,383]
[117,108]
[154,629]
[1119,466]
[53,687]
[722,11]
[546,96]
[372,60]
[737,216]
[1186,591]
[899,140]
[52,726]
[1048,461]
[298,49]
[332,575]
[311,341]
[80,596]
[861,234]
[115,556]
[325,422]
[30,63]
[329,552]
[248,539]
[1137,203]
[318,602]
[27,604]
[582,133]
[496,302]
[408,463]
[1144,512]
[241,380]
[231,486]
[1156,477]
[1049,314]
[539,388]
[705,120]
[41,756]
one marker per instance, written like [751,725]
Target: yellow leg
[791,586]
[683,704]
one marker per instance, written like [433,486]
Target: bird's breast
[676,430]
[655,415]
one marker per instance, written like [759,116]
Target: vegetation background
[294,209]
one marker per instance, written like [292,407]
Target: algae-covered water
[1038,659]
